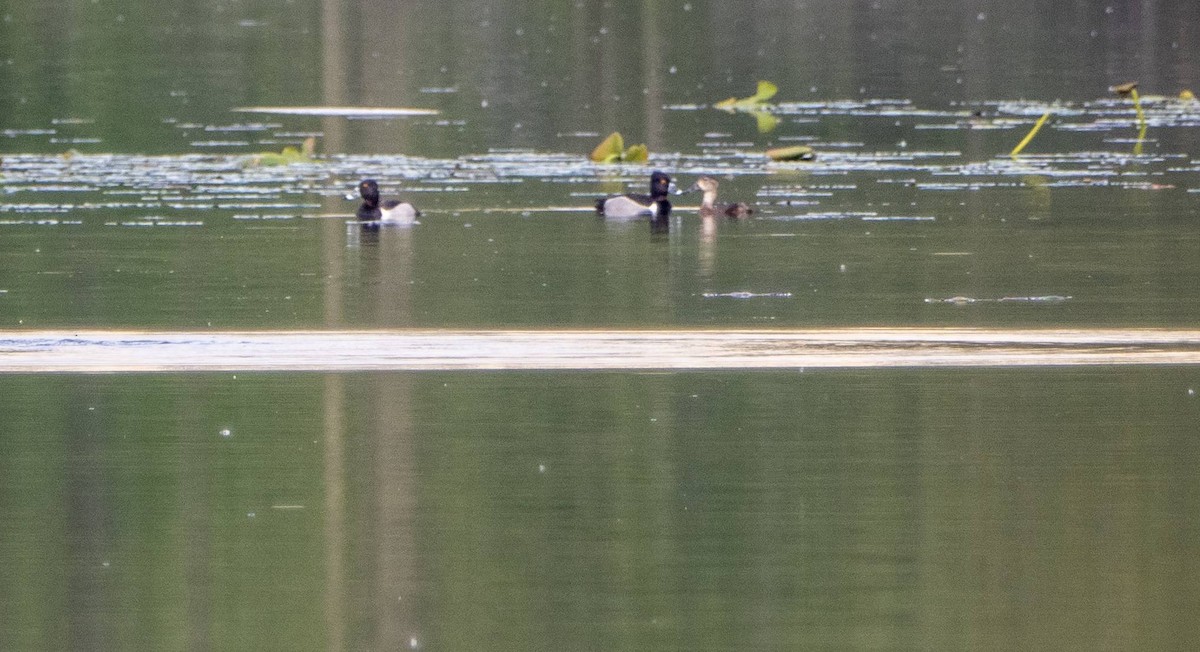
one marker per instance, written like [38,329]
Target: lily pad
[289,155]
[766,90]
[637,154]
[793,153]
[612,150]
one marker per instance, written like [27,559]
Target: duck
[390,211]
[709,205]
[656,204]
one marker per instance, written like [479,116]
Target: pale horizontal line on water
[111,351]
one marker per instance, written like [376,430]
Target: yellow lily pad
[637,154]
[288,156]
[794,153]
[766,90]
[610,150]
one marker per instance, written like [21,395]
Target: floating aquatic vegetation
[612,150]
[289,155]
[1029,137]
[755,105]
[1130,90]
[792,153]
[757,102]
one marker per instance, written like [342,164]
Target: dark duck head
[389,211]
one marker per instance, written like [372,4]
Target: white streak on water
[414,350]
[338,111]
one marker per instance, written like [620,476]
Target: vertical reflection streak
[332,246]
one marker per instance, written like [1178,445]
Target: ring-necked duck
[709,205]
[387,212]
[655,204]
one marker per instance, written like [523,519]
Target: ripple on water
[964,301]
[40,222]
[744,294]
[850,215]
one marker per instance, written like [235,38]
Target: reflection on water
[114,351]
[926,509]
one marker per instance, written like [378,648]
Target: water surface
[352,473]
[893,508]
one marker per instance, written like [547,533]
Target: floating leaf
[610,150]
[637,154]
[288,156]
[766,90]
[794,153]
[1187,95]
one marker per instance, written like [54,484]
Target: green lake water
[878,508]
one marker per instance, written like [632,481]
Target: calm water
[878,508]
[895,509]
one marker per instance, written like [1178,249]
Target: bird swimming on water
[709,205]
[655,204]
[388,212]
